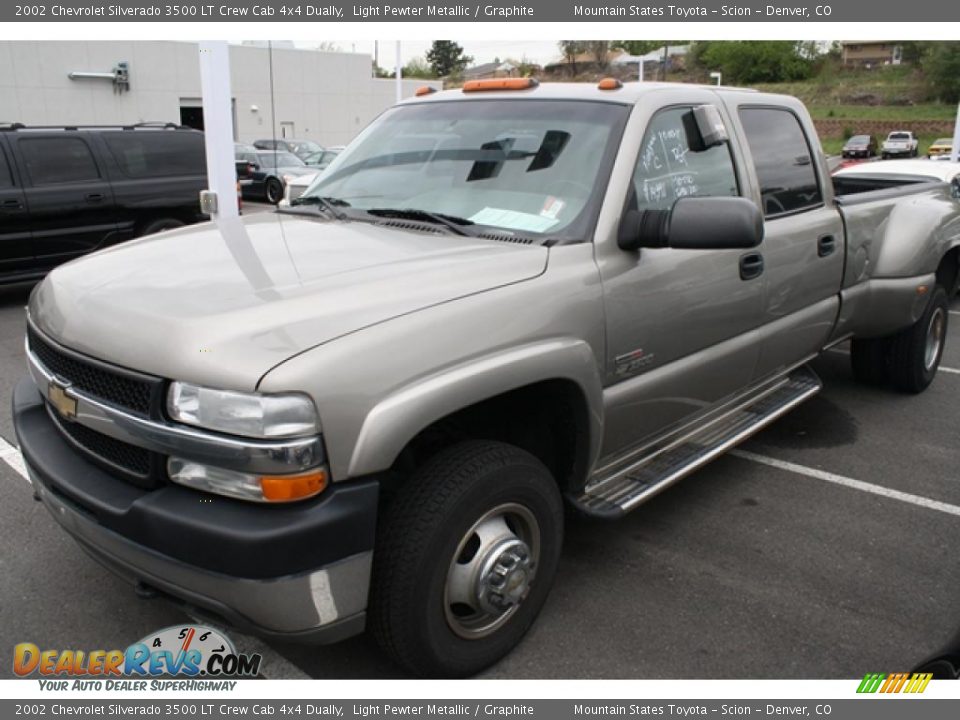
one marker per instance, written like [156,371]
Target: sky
[482,51]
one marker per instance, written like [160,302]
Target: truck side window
[161,153]
[58,160]
[784,162]
[667,170]
[6,179]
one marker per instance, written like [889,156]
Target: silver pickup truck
[371,409]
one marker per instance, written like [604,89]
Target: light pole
[718,76]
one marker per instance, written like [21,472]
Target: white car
[900,143]
[295,187]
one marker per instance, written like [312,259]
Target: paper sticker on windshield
[552,207]
[514,220]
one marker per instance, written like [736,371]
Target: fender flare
[400,416]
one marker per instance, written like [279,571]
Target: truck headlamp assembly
[254,415]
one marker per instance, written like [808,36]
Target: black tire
[884,156]
[274,191]
[160,225]
[916,351]
[429,525]
[868,360]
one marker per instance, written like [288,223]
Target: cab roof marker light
[500,84]
[425,90]
[609,83]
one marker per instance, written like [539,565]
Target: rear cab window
[783,159]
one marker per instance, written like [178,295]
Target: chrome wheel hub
[492,571]
[934,338]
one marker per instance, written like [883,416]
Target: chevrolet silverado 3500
[496,301]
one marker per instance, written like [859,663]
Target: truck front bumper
[295,572]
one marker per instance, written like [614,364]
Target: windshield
[899,136]
[943,141]
[859,140]
[279,159]
[530,167]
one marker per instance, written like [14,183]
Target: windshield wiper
[328,203]
[453,223]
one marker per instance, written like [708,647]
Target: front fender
[400,416]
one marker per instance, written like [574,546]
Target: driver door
[678,322]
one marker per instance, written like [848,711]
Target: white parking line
[917,500]
[12,457]
[942,368]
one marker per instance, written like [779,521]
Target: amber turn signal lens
[425,90]
[609,84]
[500,84]
[284,488]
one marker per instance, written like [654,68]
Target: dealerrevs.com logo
[894,682]
[190,651]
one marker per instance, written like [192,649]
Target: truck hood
[223,302]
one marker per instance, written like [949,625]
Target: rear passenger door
[803,247]
[157,175]
[16,253]
[67,193]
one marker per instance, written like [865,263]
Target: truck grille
[115,387]
[134,462]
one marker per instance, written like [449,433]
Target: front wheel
[916,351]
[274,191]
[465,557]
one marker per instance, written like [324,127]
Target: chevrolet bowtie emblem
[65,405]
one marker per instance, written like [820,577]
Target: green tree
[418,67]
[642,47]
[570,50]
[755,61]
[446,58]
[941,66]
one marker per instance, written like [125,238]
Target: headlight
[249,414]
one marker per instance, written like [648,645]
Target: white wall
[329,97]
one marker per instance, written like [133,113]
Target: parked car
[900,143]
[295,187]
[941,148]
[270,168]
[67,191]
[498,300]
[864,146]
[300,148]
[322,158]
[247,162]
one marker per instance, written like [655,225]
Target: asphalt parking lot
[827,549]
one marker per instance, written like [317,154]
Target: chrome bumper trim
[233,453]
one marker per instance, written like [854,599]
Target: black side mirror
[694,223]
[955,187]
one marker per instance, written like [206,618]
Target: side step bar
[618,494]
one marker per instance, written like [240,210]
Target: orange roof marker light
[425,90]
[609,83]
[500,84]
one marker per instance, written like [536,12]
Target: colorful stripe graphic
[894,682]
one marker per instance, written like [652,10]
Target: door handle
[751,266]
[94,197]
[12,205]
[826,245]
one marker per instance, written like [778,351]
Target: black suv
[66,191]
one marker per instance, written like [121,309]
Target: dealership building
[323,96]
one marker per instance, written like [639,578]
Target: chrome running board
[626,489]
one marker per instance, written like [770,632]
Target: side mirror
[694,223]
[955,187]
